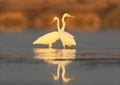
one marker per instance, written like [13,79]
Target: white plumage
[67,39]
[48,39]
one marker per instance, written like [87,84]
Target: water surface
[94,61]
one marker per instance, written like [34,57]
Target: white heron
[65,37]
[52,37]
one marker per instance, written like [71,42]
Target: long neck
[63,23]
[58,71]
[58,24]
[63,74]
[56,77]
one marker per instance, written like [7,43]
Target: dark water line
[88,59]
[36,61]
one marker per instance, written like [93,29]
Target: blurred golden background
[90,15]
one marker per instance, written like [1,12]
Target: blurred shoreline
[90,15]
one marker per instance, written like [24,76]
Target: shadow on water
[70,55]
[59,57]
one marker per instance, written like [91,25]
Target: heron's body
[67,39]
[48,39]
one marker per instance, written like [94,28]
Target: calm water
[94,61]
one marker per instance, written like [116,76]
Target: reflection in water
[60,57]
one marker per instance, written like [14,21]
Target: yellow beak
[72,16]
[53,21]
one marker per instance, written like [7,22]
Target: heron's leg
[50,45]
[56,77]
[63,45]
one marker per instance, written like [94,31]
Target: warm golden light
[91,15]
[13,21]
[60,57]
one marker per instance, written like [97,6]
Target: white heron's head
[54,19]
[67,15]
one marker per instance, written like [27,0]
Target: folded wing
[67,39]
[68,34]
[47,38]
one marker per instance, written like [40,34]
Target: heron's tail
[34,43]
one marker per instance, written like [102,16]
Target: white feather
[48,38]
